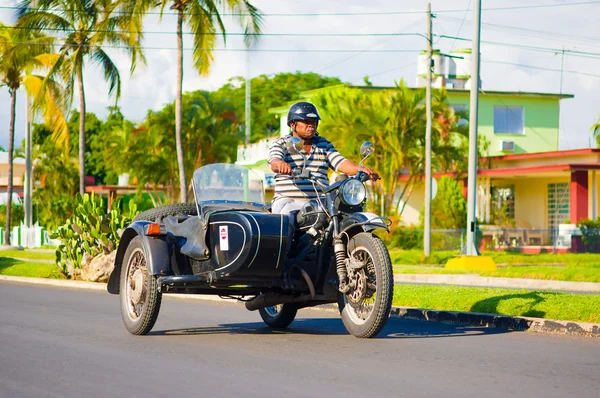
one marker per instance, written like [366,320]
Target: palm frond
[111,72]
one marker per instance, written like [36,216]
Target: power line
[340,60]
[584,54]
[332,14]
[541,68]
[222,49]
[540,34]
[225,33]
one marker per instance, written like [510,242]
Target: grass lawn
[559,306]
[13,267]
[584,267]
[29,253]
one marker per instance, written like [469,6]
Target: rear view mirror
[294,145]
[366,149]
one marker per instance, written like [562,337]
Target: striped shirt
[323,156]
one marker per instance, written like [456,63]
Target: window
[508,119]
[558,204]
[503,203]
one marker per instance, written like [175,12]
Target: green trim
[462,51]
[433,52]
[459,76]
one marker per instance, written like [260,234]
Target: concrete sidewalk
[508,283]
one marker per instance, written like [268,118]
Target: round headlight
[353,192]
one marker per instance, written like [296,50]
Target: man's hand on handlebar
[281,167]
[371,173]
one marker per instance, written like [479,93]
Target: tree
[20,54]
[394,120]
[204,20]
[83,27]
[270,92]
[596,131]
[210,133]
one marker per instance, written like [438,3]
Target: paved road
[71,343]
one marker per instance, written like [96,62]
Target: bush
[590,234]
[90,230]
[17,215]
[403,237]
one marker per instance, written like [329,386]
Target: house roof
[551,154]
[4,159]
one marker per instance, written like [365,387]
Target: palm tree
[596,131]
[205,22]
[22,52]
[83,27]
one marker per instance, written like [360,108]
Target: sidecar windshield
[222,183]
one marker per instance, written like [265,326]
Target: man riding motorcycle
[321,155]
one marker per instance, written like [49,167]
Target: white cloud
[153,85]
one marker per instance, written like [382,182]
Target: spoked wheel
[366,307]
[279,316]
[140,298]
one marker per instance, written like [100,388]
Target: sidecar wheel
[139,295]
[366,308]
[279,316]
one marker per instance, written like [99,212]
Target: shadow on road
[395,328]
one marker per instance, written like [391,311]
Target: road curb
[495,321]
[498,321]
[496,282]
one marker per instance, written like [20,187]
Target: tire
[139,308]
[279,316]
[160,212]
[372,317]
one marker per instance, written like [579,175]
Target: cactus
[90,230]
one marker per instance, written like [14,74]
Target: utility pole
[470,249]
[427,232]
[28,168]
[248,109]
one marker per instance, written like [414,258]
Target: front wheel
[366,307]
[279,316]
[140,298]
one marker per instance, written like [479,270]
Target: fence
[33,237]
[563,239]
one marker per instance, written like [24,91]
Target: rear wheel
[160,212]
[366,307]
[279,316]
[139,295]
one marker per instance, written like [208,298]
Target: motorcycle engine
[311,215]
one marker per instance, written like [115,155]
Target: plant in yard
[590,234]
[204,20]
[90,230]
[21,54]
[83,27]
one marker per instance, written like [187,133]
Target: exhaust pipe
[270,299]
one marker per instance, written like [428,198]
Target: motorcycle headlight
[353,192]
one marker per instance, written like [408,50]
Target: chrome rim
[273,310]
[360,302]
[136,290]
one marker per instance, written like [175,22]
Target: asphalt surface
[71,343]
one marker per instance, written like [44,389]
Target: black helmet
[302,111]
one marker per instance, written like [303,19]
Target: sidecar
[226,243]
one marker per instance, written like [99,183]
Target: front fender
[156,250]
[362,221]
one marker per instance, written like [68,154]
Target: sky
[521,50]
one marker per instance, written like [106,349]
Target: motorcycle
[228,243]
